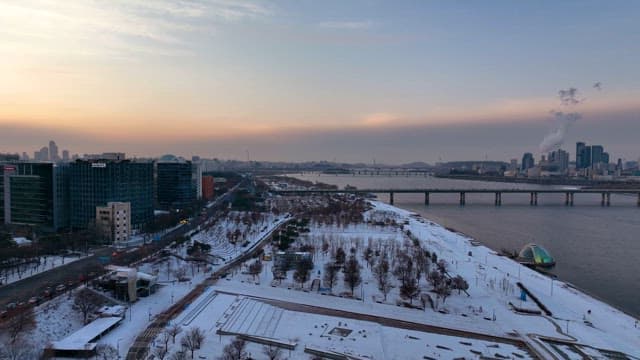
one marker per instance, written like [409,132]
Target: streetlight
[118,347]
[149,313]
[551,286]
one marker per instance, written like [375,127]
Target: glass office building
[98,182]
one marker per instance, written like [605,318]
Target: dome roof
[536,255]
[168,158]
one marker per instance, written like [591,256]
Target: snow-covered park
[578,324]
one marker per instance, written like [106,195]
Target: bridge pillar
[391,198]
[462,199]
[602,202]
[566,199]
[498,200]
[608,199]
[570,199]
[426,199]
[638,199]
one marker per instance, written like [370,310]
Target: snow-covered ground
[233,314]
[577,318]
[47,263]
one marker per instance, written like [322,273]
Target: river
[596,248]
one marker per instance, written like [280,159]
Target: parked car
[60,288]
[34,301]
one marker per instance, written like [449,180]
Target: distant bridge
[533,193]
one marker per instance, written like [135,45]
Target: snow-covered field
[577,318]
[233,314]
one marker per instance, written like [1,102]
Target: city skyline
[399,82]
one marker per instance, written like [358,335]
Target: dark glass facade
[176,186]
[30,195]
[95,183]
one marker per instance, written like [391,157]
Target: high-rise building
[580,155]
[53,151]
[34,194]
[586,157]
[42,155]
[97,182]
[178,182]
[527,161]
[559,159]
[596,154]
[65,155]
[114,221]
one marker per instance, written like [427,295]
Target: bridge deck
[452,190]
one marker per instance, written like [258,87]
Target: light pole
[149,313]
[118,347]
[552,287]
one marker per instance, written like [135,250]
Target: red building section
[207,187]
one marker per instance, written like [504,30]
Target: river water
[596,248]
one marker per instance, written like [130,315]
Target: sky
[352,81]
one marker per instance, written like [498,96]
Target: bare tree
[165,337]
[178,355]
[160,352]
[174,330]
[351,271]
[87,302]
[255,268]
[180,273]
[340,256]
[368,256]
[443,290]
[381,272]
[272,352]
[330,275]
[409,289]
[421,261]
[106,352]
[404,267]
[17,350]
[303,269]
[198,336]
[234,350]
[189,342]
[459,283]
[435,278]
[19,323]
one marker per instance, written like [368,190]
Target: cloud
[346,25]
[126,28]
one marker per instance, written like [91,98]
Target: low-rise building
[114,221]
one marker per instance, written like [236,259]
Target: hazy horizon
[301,81]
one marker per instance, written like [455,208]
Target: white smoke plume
[569,98]
[555,139]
